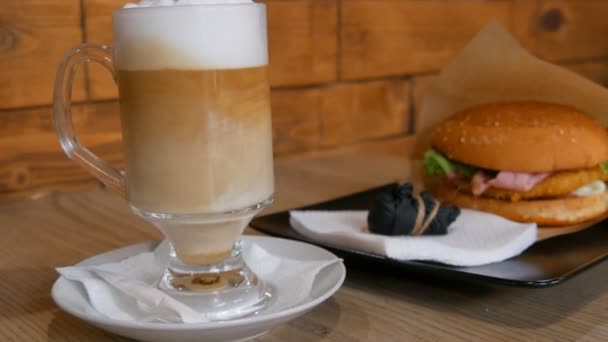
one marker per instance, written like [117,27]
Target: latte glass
[196,124]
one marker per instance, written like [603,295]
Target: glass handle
[62,105]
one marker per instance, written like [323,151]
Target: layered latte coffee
[196,123]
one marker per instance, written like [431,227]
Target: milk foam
[157,3]
[166,34]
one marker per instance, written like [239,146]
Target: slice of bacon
[515,181]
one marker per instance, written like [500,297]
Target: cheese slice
[591,189]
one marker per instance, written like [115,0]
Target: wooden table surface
[61,229]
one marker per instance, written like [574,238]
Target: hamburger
[526,161]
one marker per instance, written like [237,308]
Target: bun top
[523,137]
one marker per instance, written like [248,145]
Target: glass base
[223,291]
[208,272]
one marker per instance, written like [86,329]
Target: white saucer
[72,298]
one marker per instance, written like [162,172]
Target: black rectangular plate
[546,263]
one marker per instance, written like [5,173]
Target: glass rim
[152,9]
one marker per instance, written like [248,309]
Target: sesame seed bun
[545,212]
[523,137]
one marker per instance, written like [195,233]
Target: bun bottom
[547,213]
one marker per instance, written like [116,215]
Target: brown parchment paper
[494,67]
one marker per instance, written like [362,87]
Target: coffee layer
[197,141]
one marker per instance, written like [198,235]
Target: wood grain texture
[98,30]
[562,29]
[302,40]
[34,36]
[386,37]
[30,156]
[364,110]
[296,120]
[374,304]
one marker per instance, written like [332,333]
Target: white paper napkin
[474,239]
[128,290]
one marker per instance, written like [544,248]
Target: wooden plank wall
[347,75]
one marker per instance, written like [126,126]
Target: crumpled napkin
[475,238]
[128,290]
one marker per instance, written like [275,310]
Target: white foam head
[190,35]
[157,3]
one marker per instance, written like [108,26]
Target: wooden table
[62,229]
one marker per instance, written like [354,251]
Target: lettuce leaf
[604,167]
[436,164]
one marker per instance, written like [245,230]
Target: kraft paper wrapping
[494,67]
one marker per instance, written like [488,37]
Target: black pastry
[396,213]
